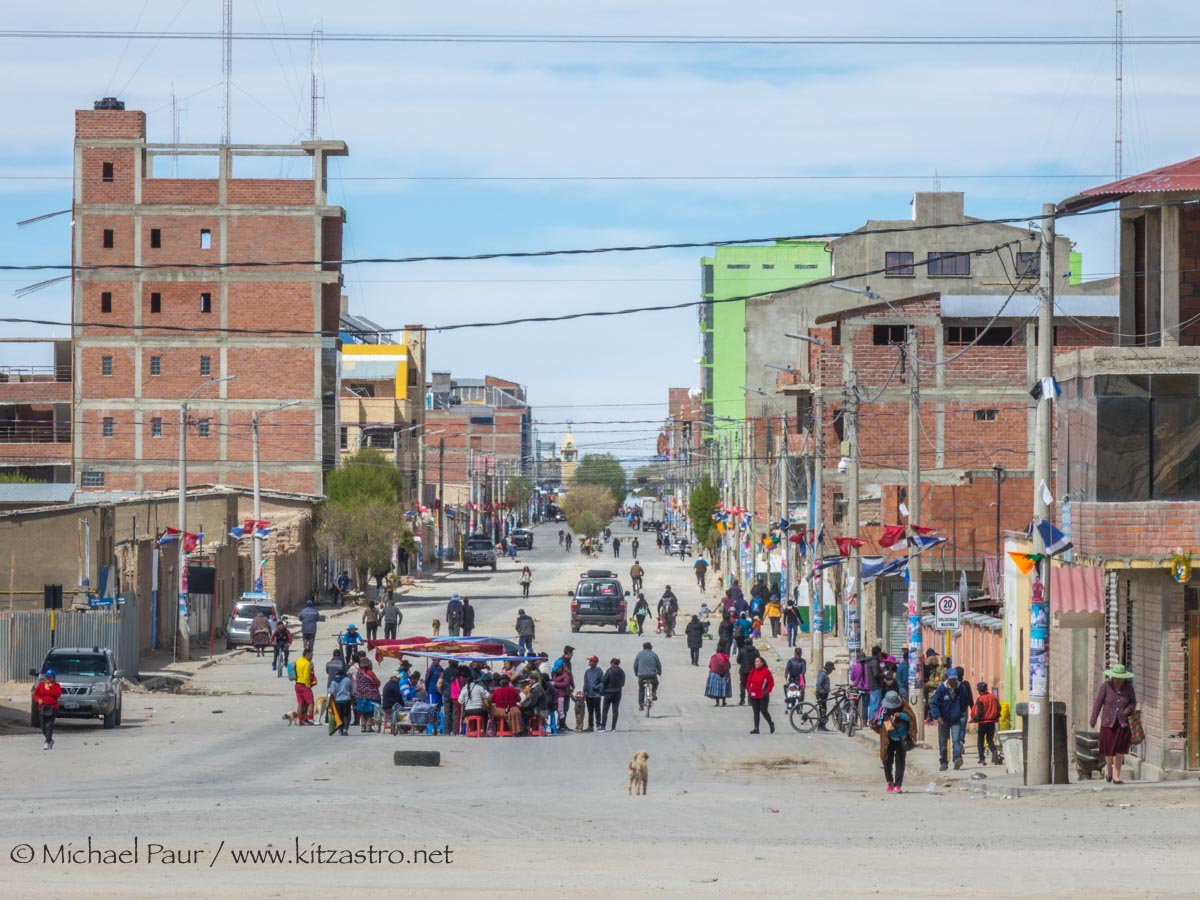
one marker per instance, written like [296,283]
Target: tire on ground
[417,758]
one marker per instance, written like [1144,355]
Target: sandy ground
[196,778]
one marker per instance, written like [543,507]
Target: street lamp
[256,547]
[183,412]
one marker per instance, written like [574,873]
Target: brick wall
[180,191]
[110,124]
[267,238]
[1152,530]
[272,191]
[1159,665]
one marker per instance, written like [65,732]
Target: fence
[25,638]
[978,647]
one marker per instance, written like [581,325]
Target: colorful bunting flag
[892,534]
[844,544]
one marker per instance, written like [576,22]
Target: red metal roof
[1180,176]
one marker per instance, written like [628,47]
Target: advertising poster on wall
[1039,627]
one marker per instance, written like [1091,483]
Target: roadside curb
[1012,791]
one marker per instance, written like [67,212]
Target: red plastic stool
[535,727]
[502,727]
[474,726]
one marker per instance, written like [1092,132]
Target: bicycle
[647,693]
[841,709]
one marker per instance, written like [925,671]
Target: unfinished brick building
[178,281]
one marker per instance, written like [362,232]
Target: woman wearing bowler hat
[1114,702]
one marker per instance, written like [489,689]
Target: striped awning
[1077,589]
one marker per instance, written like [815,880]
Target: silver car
[91,684]
[237,630]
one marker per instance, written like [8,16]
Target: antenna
[313,63]
[1119,66]
[227,61]
[175,110]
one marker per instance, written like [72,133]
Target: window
[106,171]
[156,238]
[344,437]
[156,302]
[106,365]
[205,239]
[884,335]
[708,279]
[768,265]
[91,479]
[156,427]
[899,262]
[108,238]
[206,365]
[108,426]
[206,303]
[106,301]
[156,365]
[805,266]
[949,264]
[202,427]
[839,508]
[996,336]
[985,415]
[1029,265]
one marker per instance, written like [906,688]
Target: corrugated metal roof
[36,493]
[1177,177]
[984,306]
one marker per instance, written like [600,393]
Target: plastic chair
[475,726]
[437,726]
[535,727]
[552,723]
[502,727]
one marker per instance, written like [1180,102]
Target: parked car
[237,631]
[522,538]
[598,599]
[479,551]
[91,684]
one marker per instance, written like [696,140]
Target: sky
[477,147]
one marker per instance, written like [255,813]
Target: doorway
[1192,650]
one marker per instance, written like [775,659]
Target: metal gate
[25,638]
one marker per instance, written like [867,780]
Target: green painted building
[740,272]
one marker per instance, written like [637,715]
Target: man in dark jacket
[392,617]
[796,671]
[613,683]
[747,653]
[468,617]
[564,662]
[332,668]
[874,671]
[308,624]
[525,632]
[454,612]
[593,691]
[668,608]
[949,707]
[695,638]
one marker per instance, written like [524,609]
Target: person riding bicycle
[350,641]
[668,608]
[647,668]
[636,573]
[701,569]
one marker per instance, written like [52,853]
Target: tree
[518,490]
[701,505]
[365,475]
[603,470]
[363,531]
[648,480]
[588,509]
[15,478]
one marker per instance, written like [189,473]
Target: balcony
[35,384]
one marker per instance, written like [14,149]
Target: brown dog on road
[639,773]
[291,717]
[437,627]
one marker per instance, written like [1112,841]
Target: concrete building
[168,293]
[35,415]
[569,456]
[381,401]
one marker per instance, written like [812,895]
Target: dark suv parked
[598,600]
[479,551]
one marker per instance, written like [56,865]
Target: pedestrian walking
[694,632]
[1115,703]
[774,613]
[634,546]
[341,696]
[468,617]
[525,632]
[746,656]
[796,672]
[392,617]
[986,713]
[366,689]
[822,692]
[895,720]
[454,610]
[308,624]
[341,584]
[46,697]
[260,633]
[525,580]
[759,685]
[718,688]
[701,569]
[613,683]
[593,692]
[305,679]
[616,546]
[725,633]
[791,622]
[874,673]
[949,707]
[371,620]
[641,609]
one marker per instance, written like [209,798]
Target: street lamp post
[256,547]
[181,612]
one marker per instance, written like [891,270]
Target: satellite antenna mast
[175,127]
[313,95]
[1119,66]
[227,61]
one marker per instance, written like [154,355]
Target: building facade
[182,281]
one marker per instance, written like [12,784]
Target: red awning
[1077,589]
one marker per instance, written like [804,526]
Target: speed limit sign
[947,612]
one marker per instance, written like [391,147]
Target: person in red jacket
[987,714]
[759,684]
[46,695]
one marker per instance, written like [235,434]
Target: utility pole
[854,600]
[255,546]
[915,659]
[785,563]
[1038,768]
[817,518]
[441,502]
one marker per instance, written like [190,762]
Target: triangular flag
[237,532]
[845,543]
[1045,388]
[1047,497]
[892,534]
[1023,562]
[168,535]
[922,530]
[904,510]
[1054,540]
[923,543]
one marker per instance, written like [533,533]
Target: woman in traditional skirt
[718,687]
[1115,701]
[366,690]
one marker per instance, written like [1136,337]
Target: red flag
[892,534]
[191,541]
[845,543]
[921,530]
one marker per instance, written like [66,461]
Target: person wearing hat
[593,691]
[892,725]
[823,687]
[341,695]
[1115,702]
[949,707]
[391,701]
[986,713]
[308,624]
[366,690]
[46,695]
[350,641]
